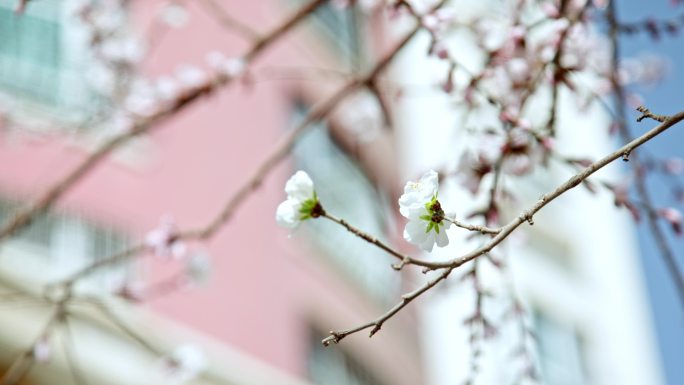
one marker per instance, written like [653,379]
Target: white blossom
[174,15]
[301,200]
[198,268]
[190,76]
[228,66]
[426,225]
[185,363]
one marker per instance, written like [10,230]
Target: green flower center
[311,208]
[435,215]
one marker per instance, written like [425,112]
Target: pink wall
[264,290]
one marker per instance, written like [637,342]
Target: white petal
[407,201]
[442,239]
[417,194]
[414,213]
[414,232]
[300,186]
[287,214]
[430,181]
[429,241]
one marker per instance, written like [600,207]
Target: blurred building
[271,297]
[576,271]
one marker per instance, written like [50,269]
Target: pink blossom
[163,240]
[472,167]
[42,351]
[674,166]
[674,217]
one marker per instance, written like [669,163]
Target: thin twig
[525,216]
[279,153]
[403,258]
[23,217]
[642,190]
[376,324]
[227,21]
[23,363]
[70,355]
[121,325]
[480,229]
[646,113]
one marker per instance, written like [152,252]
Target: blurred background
[590,303]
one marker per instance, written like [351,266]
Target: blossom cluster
[427,221]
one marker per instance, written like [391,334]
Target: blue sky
[665,98]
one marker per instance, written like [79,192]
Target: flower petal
[300,186]
[414,232]
[441,238]
[287,214]
[430,182]
[429,241]
[419,193]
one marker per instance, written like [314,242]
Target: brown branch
[23,363]
[505,231]
[376,324]
[646,113]
[574,181]
[227,21]
[480,229]
[383,103]
[665,250]
[69,348]
[262,170]
[23,217]
[114,318]
[403,258]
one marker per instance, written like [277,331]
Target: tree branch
[376,324]
[262,170]
[505,231]
[403,258]
[23,217]
[665,250]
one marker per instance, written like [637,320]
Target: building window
[56,245]
[560,351]
[332,366]
[340,26]
[43,58]
[345,192]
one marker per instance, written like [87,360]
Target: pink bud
[674,166]
[550,10]
[340,4]
[674,217]
[440,50]
[601,4]
[42,350]
[549,143]
[431,22]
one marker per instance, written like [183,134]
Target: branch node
[332,338]
[646,113]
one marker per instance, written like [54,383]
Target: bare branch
[279,153]
[646,113]
[23,217]
[479,229]
[376,324]
[229,22]
[665,249]
[403,258]
[505,231]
